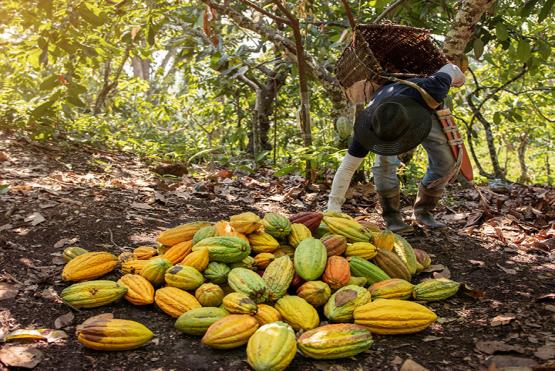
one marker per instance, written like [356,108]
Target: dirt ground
[57,195]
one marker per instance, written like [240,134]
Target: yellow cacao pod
[112,334]
[133,266]
[224,229]
[178,252]
[262,242]
[139,290]
[230,332]
[89,266]
[209,295]
[272,347]
[125,256]
[197,259]
[145,252]
[92,294]
[267,314]
[335,341]
[394,288]
[364,250]
[298,233]
[297,312]
[239,303]
[245,223]
[181,233]
[384,240]
[174,302]
[262,260]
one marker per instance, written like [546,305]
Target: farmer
[396,120]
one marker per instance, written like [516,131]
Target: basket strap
[430,101]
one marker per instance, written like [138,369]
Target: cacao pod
[262,260]
[144,252]
[224,249]
[276,225]
[209,295]
[321,231]
[344,127]
[178,252]
[278,276]
[125,256]
[310,219]
[285,250]
[112,334]
[404,251]
[183,277]
[224,229]
[239,303]
[73,252]
[337,273]
[262,242]
[297,312]
[155,269]
[423,258]
[298,233]
[89,266]
[349,228]
[335,341]
[196,321]
[363,268]
[267,314]
[364,250]
[310,259]
[335,244]
[338,214]
[92,294]
[394,288]
[343,302]
[133,266]
[316,293]
[204,232]
[230,331]
[139,290]
[249,283]
[181,233]
[358,281]
[246,223]
[174,302]
[197,259]
[216,272]
[296,282]
[392,265]
[435,289]
[384,240]
[272,347]
[247,263]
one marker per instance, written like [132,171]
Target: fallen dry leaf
[21,356]
[410,365]
[64,320]
[477,262]
[65,241]
[431,338]
[546,352]
[435,268]
[503,319]
[503,362]
[35,218]
[446,273]
[507,270]
[7,291]
[491,347]
[468,290]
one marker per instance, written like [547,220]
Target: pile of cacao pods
[334,279]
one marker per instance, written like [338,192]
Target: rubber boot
[390,201]
[426,201]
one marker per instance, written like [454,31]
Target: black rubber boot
[390,201]
[426,201]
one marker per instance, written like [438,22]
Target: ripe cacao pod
[209,295]
[335,244]
[404,251]
[262,260]
[249,283]
[267,314]
[92,294]
[337,273]
[73,252]
[321,231]
[392,316]
[423,258]
[197,259]
[174,302]
[184,277]
[316,293]
[112,334]
[204,232]
[224,249]
[155,269]
[298,233]
[216,272]
[310,219]
[246,223]
[343,302]
[196,321]
[338,214]
[278,276]
[435,289]
[285,250]
[144,252]
[394,288]
[297,312]
[272,347]
[363,268]
[310,259]
[133,266]
[364,250]
[262,242]
[125,256]
[89,266]
[349,228]
[181,233]
[384,240]
[224,229]
[247,263]
[139,290]
[358,281]
[178,252]
[335,341]
[239,303]
[392,265]
[276,225]
[230,331]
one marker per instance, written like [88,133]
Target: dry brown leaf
[435,268]
[446,273]
[20,356]
[546,352]
[7,291]
[491,347]
[64,320]
[503,319]
[35,218]
[410,365]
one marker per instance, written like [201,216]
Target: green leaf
[527,8]
[76,89]
[478,47]
[89,16]
[150,33]
[49,83]
[501,32]
[4,188]
[523,50]
[73,99]
[546,9]
[285,170]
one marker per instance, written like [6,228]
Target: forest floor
[57,195]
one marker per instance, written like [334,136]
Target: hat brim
[420,125]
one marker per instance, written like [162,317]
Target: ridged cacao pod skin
[298,233]
[343,302]
[174,302]
[364,250]
[316,293]
[216,272]
[285,250]
[197,259]
[125,256]
[204,232]
[230,331]
[209,295]
[321,231]
[435,289]
[391,264]
[358,281]
[337,273]
[391,316]
[394,288]
[247,262]
[92,294]
[239,303]
[249,283]
[262,242]
[310,259]
[178,252]
[133,266]
[423,258]
[113,334]
[404,251]
[181,233]
[73,252]
[155,269]
[297,312]
[144,252]
[184,277]
[363,268]
[335,341]
[89,266]
[247,222]
[276,225]
[384,240]
[338,214]
[139,290]
[272,347]
[224,229]
[335,244]
[278,276]
[262,260]
[351,229]
[310,219]
[267,314]
[196,321]
[224,249]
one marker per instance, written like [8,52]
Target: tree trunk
[522,146]
[110,85]
[141,68]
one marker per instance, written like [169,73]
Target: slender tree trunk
[110,85]
[522,146]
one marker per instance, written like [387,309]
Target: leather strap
[430,101]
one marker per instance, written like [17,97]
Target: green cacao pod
[321,231]
[435,289]
[183,277]
[204,232]
[278,276]
[310,259]
[285,250]
[249,283]
[92,294]
[73,252]
[276,225]
[216,272]
[392,265]
[358,281]
[298,233]
[344,127]
[239,303]
[247,263]
[224,249]
[363,268]
[155,269]
[335,244]
[335,341]
[196,321]
[316,293]
[343,302]
[272,347]
[404,251]
[230,331]
[394,288]
[297,312]
[349,228]
[209,295]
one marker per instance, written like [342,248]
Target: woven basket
[380,51]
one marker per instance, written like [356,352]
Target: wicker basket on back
[379,51]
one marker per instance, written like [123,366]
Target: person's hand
[457,76]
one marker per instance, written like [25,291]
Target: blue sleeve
[356,149]
[436,85]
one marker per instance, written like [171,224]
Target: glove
[457,76]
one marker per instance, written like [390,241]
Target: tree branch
[388,10]
[265,12]
[349,13]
